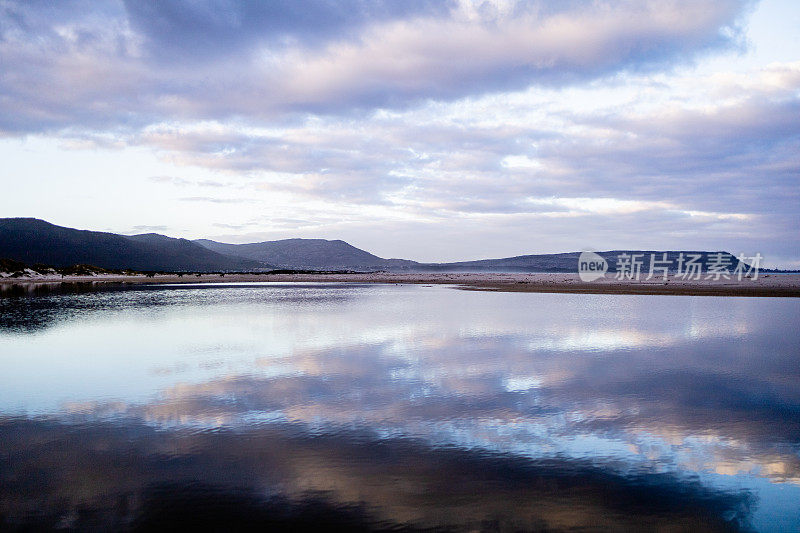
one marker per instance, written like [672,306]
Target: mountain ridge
[313,254]
[31,240]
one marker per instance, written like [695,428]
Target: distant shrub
[10,265]
[82,270]
[42,269]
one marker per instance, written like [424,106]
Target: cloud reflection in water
[605,404]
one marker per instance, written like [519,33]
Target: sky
[427,130]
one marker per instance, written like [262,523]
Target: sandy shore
[787,285]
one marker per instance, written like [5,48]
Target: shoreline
[767,285]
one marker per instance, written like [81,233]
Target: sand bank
[784,285]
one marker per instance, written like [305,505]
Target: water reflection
[424,407]
[123,475]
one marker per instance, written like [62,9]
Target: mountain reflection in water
[382,407]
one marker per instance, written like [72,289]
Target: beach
[766,285]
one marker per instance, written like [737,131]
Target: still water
[367,407]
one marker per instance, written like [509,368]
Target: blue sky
[423,129]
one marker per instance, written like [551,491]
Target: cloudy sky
[429,130]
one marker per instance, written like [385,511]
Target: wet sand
[775,285]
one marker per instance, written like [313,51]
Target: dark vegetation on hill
[33,241]
[18,269]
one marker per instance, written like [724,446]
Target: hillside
[314,254]
[564,262]
[31,241]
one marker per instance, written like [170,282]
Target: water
[379,406]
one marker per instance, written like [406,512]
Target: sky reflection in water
[373,406]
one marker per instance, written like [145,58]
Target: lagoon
[368,406]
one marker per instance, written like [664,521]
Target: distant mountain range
[568,262]
[31,241]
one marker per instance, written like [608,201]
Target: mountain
[310,254]
[567,262]
[31,240]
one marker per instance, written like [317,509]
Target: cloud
[146,228]
[174,180]
[236,227]
[213,199]
[181,182]
[76,66]
[726,159]
[199,31]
